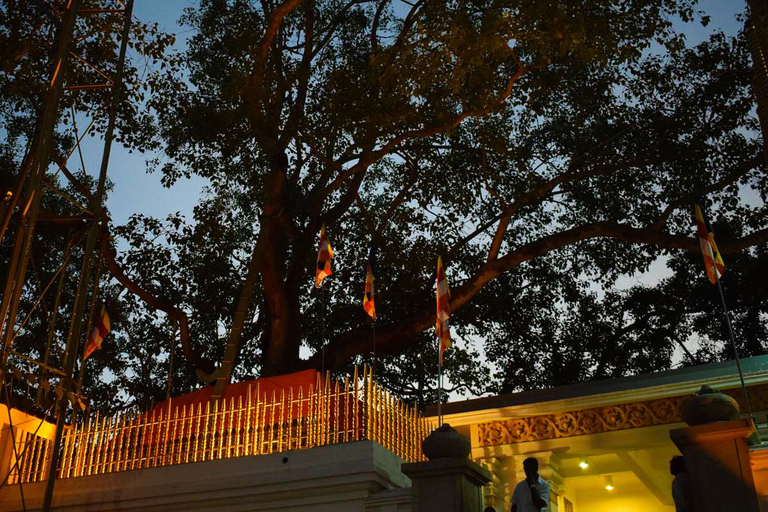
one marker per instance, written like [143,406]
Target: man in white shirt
[532,494]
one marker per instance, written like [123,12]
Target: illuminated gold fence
[328,413]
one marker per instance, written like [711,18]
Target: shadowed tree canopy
[545,149]
[529,143]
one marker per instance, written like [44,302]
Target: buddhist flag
[370,276]
[324,255]
[100,331]
[443,296]
[713,262]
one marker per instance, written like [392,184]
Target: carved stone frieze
[611,418]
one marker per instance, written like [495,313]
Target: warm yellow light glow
[583,464]
[609,483]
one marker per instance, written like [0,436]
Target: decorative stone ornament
[445,443]
[709,406]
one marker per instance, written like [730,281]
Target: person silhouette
[679,484]
[532,494]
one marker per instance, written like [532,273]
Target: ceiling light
[583,464]
[609,483]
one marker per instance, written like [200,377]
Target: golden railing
[328,413]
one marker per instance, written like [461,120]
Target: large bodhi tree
[532,143]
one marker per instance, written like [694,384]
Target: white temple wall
[340,478]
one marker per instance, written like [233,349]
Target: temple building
[305,443]
[603,446]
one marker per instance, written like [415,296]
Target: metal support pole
[76,325]
[735,350]
[373,328]
[439,386]
[37,172]
[322,327]
[54,314]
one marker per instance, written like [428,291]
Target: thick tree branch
[261,54]
[375,26]
[305,71]
[174,313]
[376,155]
[392,339]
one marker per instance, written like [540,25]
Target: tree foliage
[544,149]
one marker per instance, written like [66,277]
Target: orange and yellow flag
[443,296]
[100,331]
[369,304]
[324,255]
[713,262]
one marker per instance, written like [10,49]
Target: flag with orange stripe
[443,296]
[100,331]
[713,262]
[324,255]
[369,304]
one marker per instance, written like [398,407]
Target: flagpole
[322,327]
[439,385]
[735,349]
[373,327]
[727,313]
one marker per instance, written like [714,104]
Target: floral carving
[611,418]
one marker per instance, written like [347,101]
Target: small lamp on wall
[609,483]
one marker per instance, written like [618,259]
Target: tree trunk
[281,354]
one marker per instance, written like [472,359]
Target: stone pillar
[449,482]
[447,485]
[717,464]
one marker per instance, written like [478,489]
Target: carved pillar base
[717,465]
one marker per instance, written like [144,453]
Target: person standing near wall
[679,484]
[532,494]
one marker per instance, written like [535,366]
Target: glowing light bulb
[583,464]
[609,483]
